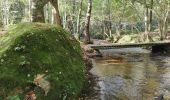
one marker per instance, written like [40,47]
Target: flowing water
[132,74]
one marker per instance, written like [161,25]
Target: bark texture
[38,10]
[87,23]
[57,15]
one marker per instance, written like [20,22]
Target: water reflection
[132,75]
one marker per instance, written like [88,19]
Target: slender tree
[87,23]
[73,16]
[162,12]
[38,10]
[5,12]
[57,15]
[146,23]
[64,21]
[150,17]
[78,20]
[29,10]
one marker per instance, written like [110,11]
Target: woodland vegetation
[31,51]
[102,19]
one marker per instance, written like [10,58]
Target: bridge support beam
[161,48]
[98,52]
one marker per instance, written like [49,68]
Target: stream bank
[91,89]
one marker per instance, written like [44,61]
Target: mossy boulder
[42,58]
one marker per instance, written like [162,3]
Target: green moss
[30,49]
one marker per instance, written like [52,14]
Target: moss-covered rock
[40,57]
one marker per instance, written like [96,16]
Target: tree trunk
[146,35]
[38,10]
[150,17]
[55,4]
[110,22]
[53,15]
[65,15]
[50,13]
[46,13]
[7,12]
[161,30]
[163,18]
[30,16]
[118,28]
[73,18]
[146,21]
[87,23]
[132,28]
[5,5]
[110,29]
[78,21]
[163,25]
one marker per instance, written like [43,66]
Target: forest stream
[132,74]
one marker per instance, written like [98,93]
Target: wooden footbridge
[155,46]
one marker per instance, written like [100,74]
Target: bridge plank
[113,46]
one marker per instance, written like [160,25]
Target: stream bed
[132,74]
